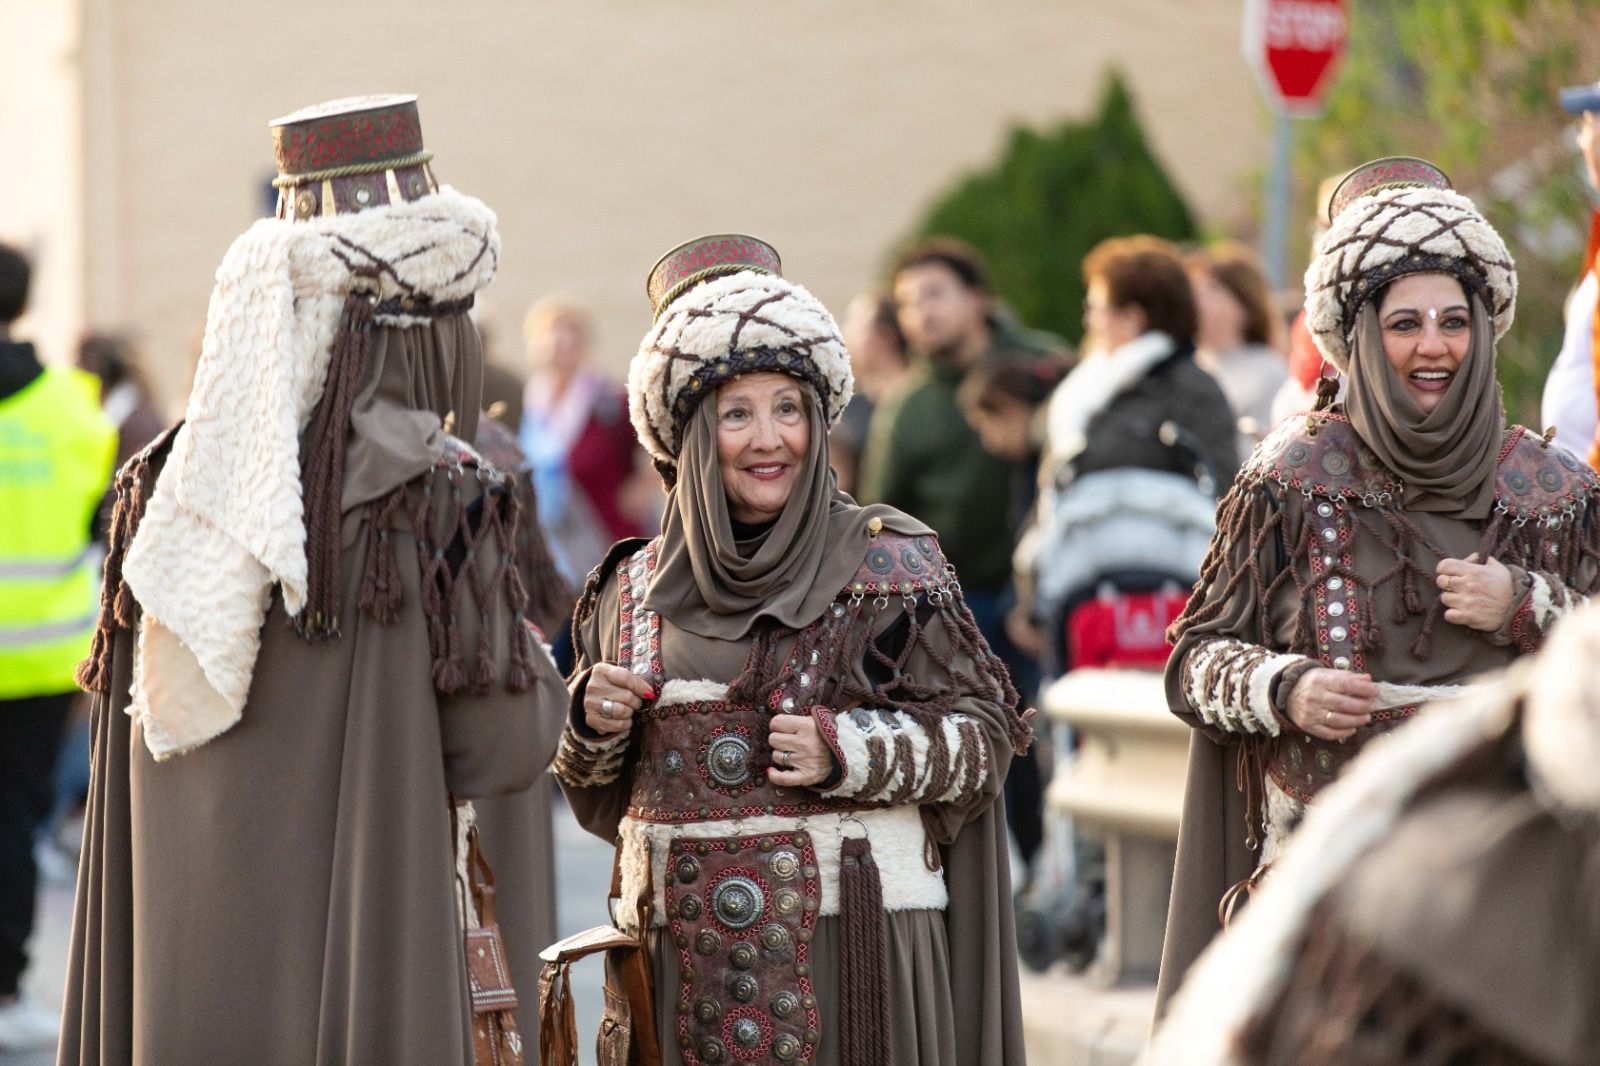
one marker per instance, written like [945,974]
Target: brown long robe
[964,956]
[286,894]
[1212,850]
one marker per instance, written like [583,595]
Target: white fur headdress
[1395,217]
[225,523]
[717,323]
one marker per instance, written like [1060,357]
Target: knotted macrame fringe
[118,609]
[443,527]
[322,466]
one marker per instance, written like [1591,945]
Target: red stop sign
[1295,47]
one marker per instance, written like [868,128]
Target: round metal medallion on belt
[1299,454]
[911,560]
[689,907]
[728,760]
[707,942]
[711,1050]
[785,864]
[1336,609]
[1517,482]
[742,955]
[674,763]
[1324,760]
[1325,509]
[746,1032]
[737,902]
[688,868]
[708,1010]
[744,988]
[305,203]
[774,938]
[1548,479]
[879,561]
[786,1047]
[1336,463]
[784,1004]
[786,902]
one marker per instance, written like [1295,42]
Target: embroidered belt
[741,913]
[707,760]
[1303,765]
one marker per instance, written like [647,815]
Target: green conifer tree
[1054,195]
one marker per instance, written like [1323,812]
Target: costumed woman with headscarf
[785,716]
[1441,903]
[312,637]
[1370,556]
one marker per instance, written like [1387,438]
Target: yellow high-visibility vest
[56,451]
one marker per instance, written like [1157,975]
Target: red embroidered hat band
[359,134]
[1390,172]
[350,155]
[707,257]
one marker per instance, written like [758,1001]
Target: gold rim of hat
[702,258]
[1386,172]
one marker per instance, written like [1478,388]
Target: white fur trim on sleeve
[1229,684]
[866,741]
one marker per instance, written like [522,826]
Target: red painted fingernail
[649,693]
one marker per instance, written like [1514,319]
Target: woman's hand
[612,696]
[1476,595]
[1332,704]
[799,755]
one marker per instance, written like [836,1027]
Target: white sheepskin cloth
[1375,233]
[714,323]
[224,523]
[1239,974]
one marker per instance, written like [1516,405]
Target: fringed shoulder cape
[1317,562]
[923,722]
[285,894]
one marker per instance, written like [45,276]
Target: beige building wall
[40,187]
[604,131]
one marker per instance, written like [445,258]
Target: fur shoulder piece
[1540,480]
[1321,455]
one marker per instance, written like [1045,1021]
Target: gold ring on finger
[1447,578]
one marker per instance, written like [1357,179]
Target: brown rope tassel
[864,998]
[322,464]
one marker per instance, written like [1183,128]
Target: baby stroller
[1116,555]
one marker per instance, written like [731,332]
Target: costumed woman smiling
[1373,556]
[784,714]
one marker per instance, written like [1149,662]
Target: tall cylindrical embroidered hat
[1392,217]
[349,155]
[722,308]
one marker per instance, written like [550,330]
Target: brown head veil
[711,585]
[1447,457]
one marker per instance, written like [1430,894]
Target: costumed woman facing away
[1370,556]
[784,714]
[312,637]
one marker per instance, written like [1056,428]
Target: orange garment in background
[1590,265]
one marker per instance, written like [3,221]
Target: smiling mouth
[1431,380]
[768,472]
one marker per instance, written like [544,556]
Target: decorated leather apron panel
[741,914]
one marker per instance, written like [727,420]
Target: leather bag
[495,1039]
[627,1034]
